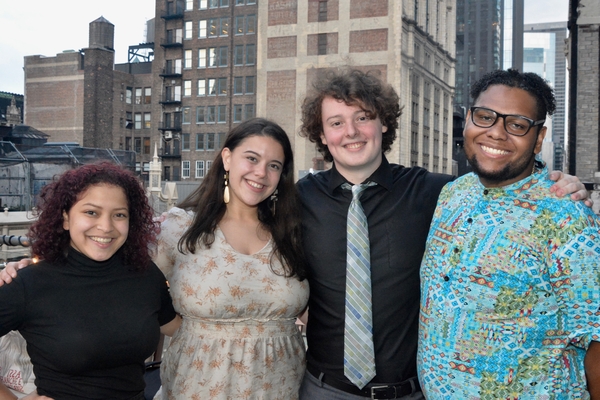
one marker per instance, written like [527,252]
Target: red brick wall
[283,12]
[284,46]
[332,10]
[368,9]
[368,40]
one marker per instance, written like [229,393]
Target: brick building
[409,44]
[584,89]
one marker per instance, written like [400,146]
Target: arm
[169,328]
[6,394]
[592,370]
[569,184]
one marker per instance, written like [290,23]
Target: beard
[510,170]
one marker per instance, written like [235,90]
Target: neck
[359,174]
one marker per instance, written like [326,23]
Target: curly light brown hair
[353,87]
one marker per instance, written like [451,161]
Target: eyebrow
[97,206]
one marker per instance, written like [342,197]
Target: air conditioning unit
[168,135]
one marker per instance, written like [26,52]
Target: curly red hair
[50,241]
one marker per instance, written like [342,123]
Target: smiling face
[98,223]
[353,139]
[255,167]
[497,157]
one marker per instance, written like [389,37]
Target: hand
[569,184]
[10,271]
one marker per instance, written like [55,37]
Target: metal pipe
[13,240]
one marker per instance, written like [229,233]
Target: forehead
[332,106]
[103,194]
[508,100]
[263,145]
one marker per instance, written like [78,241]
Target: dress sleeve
[575,275]
[171,230]
[12,305]
[167,312]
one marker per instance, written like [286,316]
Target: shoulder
[420,177]
[313,183]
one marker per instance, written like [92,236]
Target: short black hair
[528,81]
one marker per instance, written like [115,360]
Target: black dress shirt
[399,211]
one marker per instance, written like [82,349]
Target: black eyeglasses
[516,125]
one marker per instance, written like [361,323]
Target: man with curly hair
[510,277]
[352,117]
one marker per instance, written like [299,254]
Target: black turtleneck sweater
[89,325]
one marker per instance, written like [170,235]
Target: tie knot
[357,190]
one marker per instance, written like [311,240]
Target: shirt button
[485,192]
[446,278]
[470,220]
[456,249]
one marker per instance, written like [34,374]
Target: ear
[540,139]
[323,140]
[383,129]
[65,221]
[226,156]
[467,119]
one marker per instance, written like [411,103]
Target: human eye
[517,124]
[251,158]
[275,167]
[121,215]
[91,213]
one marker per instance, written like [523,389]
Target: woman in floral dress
[232,254]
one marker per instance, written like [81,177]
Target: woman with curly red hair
[91,311]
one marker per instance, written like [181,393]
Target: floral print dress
[238,339]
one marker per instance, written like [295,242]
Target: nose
[497,130]
[105,224]
[351,129]
[260,170]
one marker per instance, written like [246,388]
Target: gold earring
[226,190]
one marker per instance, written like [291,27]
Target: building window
[208,165]
[128,143]
[222,56]
[212,57]
[212,27]
[200,115]
[239,2]
[202,29]
[250,54]
[237,112]
[239,25]
[322,44]
[322,11]
[146,145]
[128,95]
[211,114]
[224,26]
[250,2]
[222,87]
[188,59]
[187,88]
[203,4]
[210,141]
[185,141]
[212,89]
[201,87]
[249,85]
[187,30]
[138,95]
[185,115]
[201,58]
[251,24]
[224,3]
[147,120]
[138,120]
[238,85]
[213,3]
[249,111]
[200,169]
[185,169]
[238,55]
[222,114]
[189,5]
[138,145]
[200,141]
[147,95]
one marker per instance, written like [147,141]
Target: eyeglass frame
[532,122]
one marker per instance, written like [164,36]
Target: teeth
[493,151]
[101,240]
[354,145]
[255,185]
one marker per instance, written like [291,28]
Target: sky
[49,27]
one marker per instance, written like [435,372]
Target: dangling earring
[274,201]
[226,190]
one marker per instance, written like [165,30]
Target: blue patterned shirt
[509,293]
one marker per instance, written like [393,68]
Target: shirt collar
[382,176]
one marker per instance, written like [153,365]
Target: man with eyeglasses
[510,276]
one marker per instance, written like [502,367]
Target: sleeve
[12,305]
[575,274]
[171,230]
[167,312]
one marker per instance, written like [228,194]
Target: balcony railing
[170,126]
[173,99]
[175,10]
[171,72]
